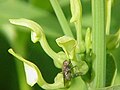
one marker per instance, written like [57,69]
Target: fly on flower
[68,72]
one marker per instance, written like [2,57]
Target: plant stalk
[108,15]
[99,43]
[60,15]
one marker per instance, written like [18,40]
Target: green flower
[68,44]
[33,74]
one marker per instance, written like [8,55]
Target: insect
[66,69]
[69,72]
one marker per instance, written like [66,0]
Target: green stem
[49,51]
[76,11]
[79,31]
[78,25]
[61,18]
[99,47]
[108,15]
[47,48]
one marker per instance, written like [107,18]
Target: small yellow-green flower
[68,44]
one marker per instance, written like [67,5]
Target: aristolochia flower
[68,44]
[75,59]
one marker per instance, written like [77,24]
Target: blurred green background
[11,71]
